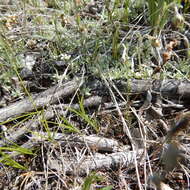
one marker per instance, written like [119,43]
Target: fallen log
[70,166]
[166,88]
[48,97]
[101,162]
[92,141]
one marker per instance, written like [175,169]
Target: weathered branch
[103,162]
[92,141]
[167,88]
[50,96]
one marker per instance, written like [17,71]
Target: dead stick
[50,96]
[105,162]
[91,141]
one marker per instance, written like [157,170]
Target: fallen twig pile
[151,97]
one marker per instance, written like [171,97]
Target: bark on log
[167,88]
[50,96]
[103,162]
[92,141]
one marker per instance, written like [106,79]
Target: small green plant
[7,160]
[81,113]
[55,4]
[159,13]
[186,5]
[17,148]
[25,117]
[69,126]
[115,41]
[107,188]
[46,127]
[91,179]
[66,126]
[127,10]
